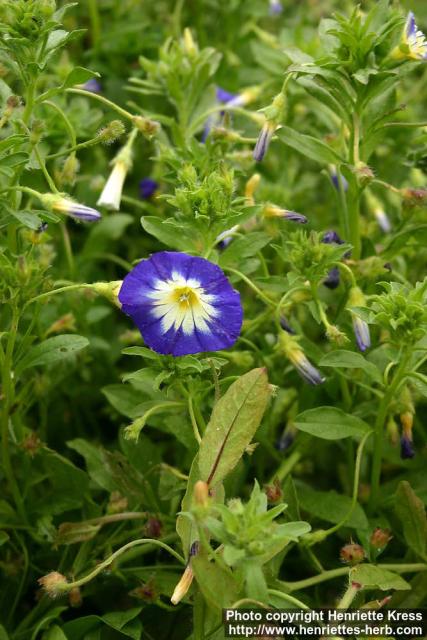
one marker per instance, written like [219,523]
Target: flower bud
[271,211]
[360,327]
[250,187]
[413,198]
[153,528]
[69,170]
[201,493]
[109,290]
[117,503]
[110,133]
[380,538]
[364,174]
[75,597]
[190,47]
[147,188]
[31,444]
[54,584]
[274,491]
[291,349]
[352,554]
[147,127]
[59,203]
[67,322]
[37,131]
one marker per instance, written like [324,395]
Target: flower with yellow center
[182,304]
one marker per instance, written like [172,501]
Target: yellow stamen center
[186,297]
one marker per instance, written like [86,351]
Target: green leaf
[126,622]
[307,145]
[105,232]
[3,633]
[234,421]
[331,507]
[411,512]
[143,352]
[168,233]
[54,633]
[244,247]
[52,350]
[218,586]
[79,75]
[350,360]
[95,461]
[4,537]
[330,423]
[27,218]
[372,577]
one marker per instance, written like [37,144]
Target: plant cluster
[213,327]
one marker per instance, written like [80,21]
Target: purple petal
[224,96]
[331,237]
[361,333]
[411,27]
[406,448]
[263,142]
[218,329]
[332,280]
[147,187]
[293,216]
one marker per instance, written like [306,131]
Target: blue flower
[331,237]
[271,211]
[414,42]
[286,439]
[61,204]
[286,326]
[276,7]
[406,447]
[361,333]
[93,85]
[307,371]
[147,188]
[264,140]
[291,349]
[222,95]
[182,304]
[332,280]
[338,182]
[360,327]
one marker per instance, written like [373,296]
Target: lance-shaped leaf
[234,421]
[370,576]
[411,512]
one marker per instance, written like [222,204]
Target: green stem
[379,429]
[193,420]
[199,612]
[46,174]
[95,22]
[48,294]
[287,466]
[103,565]
[355,485]
[348,596]
[68,249]
[103,99]
[76,147]
[249,282]
[288,598]
[8,389]
[68,125]
[337,573]
[353,207]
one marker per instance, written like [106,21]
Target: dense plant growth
[213,328]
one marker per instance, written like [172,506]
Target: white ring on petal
[190,312]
